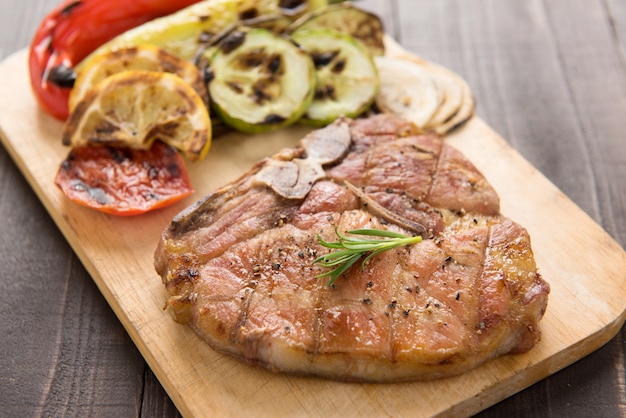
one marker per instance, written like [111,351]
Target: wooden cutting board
[587,304]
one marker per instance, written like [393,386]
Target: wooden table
[549,77]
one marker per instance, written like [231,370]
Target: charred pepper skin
[72,31]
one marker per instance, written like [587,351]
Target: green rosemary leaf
[335,273]
[378,233]
[351,249]
[328,244]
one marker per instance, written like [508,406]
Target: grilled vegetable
[135,108]
[408,90]
[142,57]
[123,181]
[431,96]
[346,76]
[260,81]
[72,31]
[346,18]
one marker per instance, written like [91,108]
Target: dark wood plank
[156,403]
[617,15]
[62,347]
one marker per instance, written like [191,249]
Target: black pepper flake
[393,304]
[287,329]
[389,190]
[300,254]
[437,304]
[408,289]
[406,312]
[457,296]
[367,301]
[276,266]
[370,284]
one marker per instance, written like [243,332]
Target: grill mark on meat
[243,314]
[434,175]
[481,271]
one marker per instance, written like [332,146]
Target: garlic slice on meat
[291,176]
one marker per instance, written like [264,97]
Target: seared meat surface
[238,265]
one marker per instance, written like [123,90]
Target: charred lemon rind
[142,57]
[259,81]
[346,76]
[135,108]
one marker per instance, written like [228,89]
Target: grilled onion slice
[408,90]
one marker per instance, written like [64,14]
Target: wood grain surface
[550,77]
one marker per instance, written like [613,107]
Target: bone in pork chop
[238,265]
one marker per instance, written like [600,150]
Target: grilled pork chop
[238,265]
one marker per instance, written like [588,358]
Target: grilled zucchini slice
[347,18]
[259,81]
[346,75]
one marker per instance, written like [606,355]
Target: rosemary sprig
[352,249]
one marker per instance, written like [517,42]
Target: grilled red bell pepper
[72,31]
